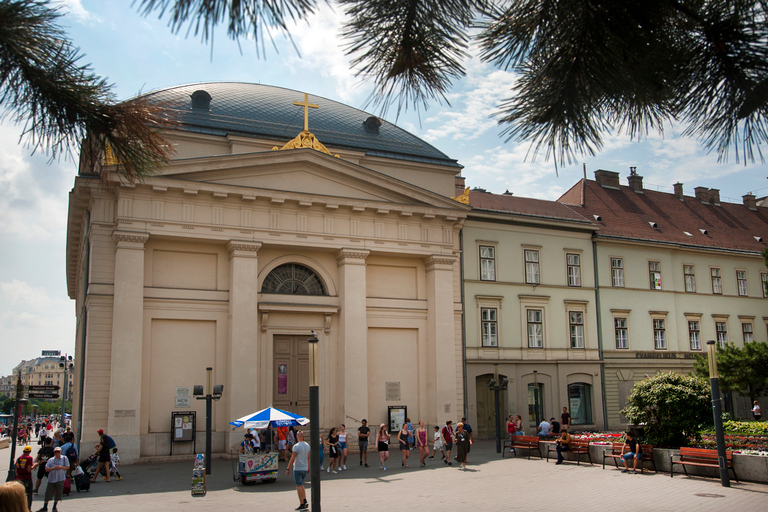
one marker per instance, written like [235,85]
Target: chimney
[458,185]
[702,194]
[750,201]
[714,195]
[678,190]
[635,180]
[608,179]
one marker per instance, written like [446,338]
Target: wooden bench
[529,443]
[646,449]
[578,447]
[700,457]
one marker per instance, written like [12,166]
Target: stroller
[82,475]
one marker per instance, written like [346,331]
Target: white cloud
[75,8]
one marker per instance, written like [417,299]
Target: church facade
[257,234]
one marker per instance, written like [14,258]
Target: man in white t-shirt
[300,464]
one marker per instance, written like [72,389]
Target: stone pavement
[490,483]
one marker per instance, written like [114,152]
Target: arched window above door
[293,279]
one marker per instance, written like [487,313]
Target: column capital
[440,262]
[243,248]
[346,256]
[129,239]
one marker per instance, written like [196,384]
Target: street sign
[43,388]
[43,395]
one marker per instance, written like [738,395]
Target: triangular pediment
[304,171]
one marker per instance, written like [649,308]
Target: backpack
[71,453]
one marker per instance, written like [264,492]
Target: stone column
[352,358]
[127,340]
[243,362]
[442,352]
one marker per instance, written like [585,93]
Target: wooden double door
[291,374]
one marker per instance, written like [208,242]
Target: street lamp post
[15,432]
[725,479]
[496,385]
[212,393]
[314,422]
[536,396]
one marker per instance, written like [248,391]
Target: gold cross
[307,105]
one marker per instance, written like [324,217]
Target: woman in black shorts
[103,450]
[333,449]
[382,445]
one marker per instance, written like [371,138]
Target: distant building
[42,371]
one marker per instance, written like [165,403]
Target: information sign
[43,395]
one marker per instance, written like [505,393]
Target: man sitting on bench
[563,445]
[635,452]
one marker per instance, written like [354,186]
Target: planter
[5,443]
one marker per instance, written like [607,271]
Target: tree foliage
[586,67]
[742,370]
[672,406]
[63,104]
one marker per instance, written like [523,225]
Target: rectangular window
[574,269]
[654,273]
[741,281]
[659,334]
[620,328]
[690,278]
[722,333]
[531,267]
[576,321]
[764,283]
[490,328]
[717,281]
[746,332]
[617,272]
[535,328]
[694,335]
[487,263]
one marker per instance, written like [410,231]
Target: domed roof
[264,111]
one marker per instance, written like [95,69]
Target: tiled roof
[629,214]
[268,112]
[524,206]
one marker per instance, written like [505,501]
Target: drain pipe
[463,326]
[598,317]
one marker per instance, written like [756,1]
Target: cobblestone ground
[490,483]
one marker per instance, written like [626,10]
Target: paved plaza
[490,483]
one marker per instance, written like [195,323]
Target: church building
[280,214]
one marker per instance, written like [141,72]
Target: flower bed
[738,443]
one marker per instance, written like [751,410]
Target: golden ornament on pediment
[109,155]
[305,139]
[463,198]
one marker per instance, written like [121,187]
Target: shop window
[532,407]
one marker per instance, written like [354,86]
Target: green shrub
[673,408]
[759,428]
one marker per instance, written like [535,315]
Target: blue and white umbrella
[270,416]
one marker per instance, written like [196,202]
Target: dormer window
[201,100]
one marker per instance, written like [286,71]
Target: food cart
[262,467]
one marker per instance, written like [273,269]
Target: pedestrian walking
[382,445]
[437,443]
[447,434]
[405,451]
[343,449]
[463,442]
[300,464]
[24,465]
[363,432]
[421,442]
[333,450]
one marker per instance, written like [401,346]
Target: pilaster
[441,339]
[242,384]
[353,333]
[127,341]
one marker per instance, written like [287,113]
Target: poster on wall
[576,411]
[282,379]
[183,400]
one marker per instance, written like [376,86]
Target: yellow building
[674,271]
[232,255]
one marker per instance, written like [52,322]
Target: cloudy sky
[139,54]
